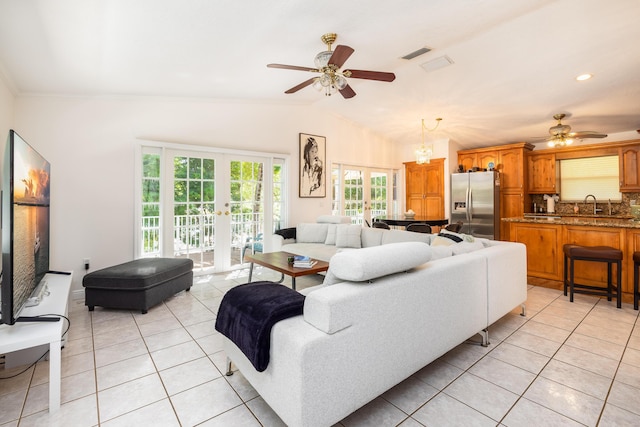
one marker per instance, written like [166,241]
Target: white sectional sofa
[331,234]
[376,325]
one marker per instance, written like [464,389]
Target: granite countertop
[619,221]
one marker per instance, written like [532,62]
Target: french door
[213,208]
[363,193]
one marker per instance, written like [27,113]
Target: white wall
[90,143]
[6,112]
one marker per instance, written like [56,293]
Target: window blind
[592,175]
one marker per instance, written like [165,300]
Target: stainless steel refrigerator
[475,200]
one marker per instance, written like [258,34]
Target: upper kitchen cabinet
[629,168]
[511,166]
[467,160]
[542,173]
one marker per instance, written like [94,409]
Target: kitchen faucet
[594,203]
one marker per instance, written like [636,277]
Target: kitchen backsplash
[567,208]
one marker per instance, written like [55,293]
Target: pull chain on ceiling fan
[328,64]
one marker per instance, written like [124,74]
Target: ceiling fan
[561,135]
[328,64]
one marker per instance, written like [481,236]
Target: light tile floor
[564,364]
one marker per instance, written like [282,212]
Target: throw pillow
[456,237]
[442,241]
[331,235]
[348,236]
[377,261]
[311,233]
[287,233]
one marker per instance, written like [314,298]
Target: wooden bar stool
[636,267]
[606,254]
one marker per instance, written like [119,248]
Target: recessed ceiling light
[583,77]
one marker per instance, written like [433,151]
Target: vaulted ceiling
[513,63]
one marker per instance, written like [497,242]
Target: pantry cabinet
[425,188]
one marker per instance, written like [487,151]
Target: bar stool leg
[619,284]
[565,275]
[635,285]
[609,281]
[571,280]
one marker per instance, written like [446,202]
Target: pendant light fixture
[424,153]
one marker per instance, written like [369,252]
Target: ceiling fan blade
[340,55]
[300,86]
[371,75]
[292,67]
[347,92]
[587,134]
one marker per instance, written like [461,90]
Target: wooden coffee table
[278,261]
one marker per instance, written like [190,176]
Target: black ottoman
[139,284]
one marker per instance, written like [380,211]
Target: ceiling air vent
[418,52]
[437,63]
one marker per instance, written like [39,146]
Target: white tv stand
[24,335]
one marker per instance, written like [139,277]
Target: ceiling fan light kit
[332,79]
[561,135]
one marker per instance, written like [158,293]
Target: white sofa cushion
[331,234]
[371,236]
[311,233]
[466,247]
[377,261]
[348,236]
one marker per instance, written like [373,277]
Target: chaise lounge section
[360,335]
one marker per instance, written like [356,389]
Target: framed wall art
[312,163]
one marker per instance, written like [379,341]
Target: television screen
[25,224]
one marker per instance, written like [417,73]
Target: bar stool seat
[636,272]
[606,254]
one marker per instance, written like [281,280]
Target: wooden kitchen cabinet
[425,188]
[545,258]
[544,248]
[467,160]
[633,245]
[511,166]
[629,158]
[542,173]
[484,158]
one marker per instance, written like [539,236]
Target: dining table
[403,221]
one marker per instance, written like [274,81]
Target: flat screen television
[25,225]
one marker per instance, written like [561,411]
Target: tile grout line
[635,324]
[552,358]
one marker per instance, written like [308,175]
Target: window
[592,175]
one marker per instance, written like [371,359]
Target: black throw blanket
[248,312]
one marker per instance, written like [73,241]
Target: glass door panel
[247,208]
[378,182]
[354,203]
[194,210]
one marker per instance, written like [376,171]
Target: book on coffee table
[304,264]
